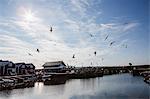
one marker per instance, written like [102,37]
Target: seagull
[112,43]
[106,37]
[73,56]
[29,54]
[51,29]
[38,50]
[95,53]
[91,35]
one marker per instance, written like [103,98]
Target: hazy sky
[79,27]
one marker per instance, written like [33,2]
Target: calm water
[123,86]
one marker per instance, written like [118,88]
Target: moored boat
[1,84]
[56,78]
[29,80]
[147,79]
[19,82]
[8,84]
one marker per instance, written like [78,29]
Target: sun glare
[29,16]
[26,14]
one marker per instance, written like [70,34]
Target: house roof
[20,63]
[30,65]
[54,64]
[3,63]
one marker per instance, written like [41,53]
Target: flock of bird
[111,43]
[91,35]
[37,50]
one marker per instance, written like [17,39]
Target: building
[30,68]
[7,68]
[21,68]
[24,69]
[54,67]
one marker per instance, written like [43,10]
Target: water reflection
[123,86]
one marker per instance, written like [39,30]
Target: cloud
[130,26]
[14,42]
[23,34]
[80,6]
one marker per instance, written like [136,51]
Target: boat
[1,84]
[147,79]
[19,82]
[29,80]
[55,78]
[145,73]
[8,84]
[46,77]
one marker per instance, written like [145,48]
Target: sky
[80,27]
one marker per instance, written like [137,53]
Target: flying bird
[112,43]
[51,29]
[95,53]
[106,37]
[73,56]
[29,54]
[91,35]
[38,50]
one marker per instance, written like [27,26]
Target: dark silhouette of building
[8,68]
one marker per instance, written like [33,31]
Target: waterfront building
[21,68]
[7,68]
[54,67]
[30,68]
[24,69]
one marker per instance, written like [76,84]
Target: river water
[121,86]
